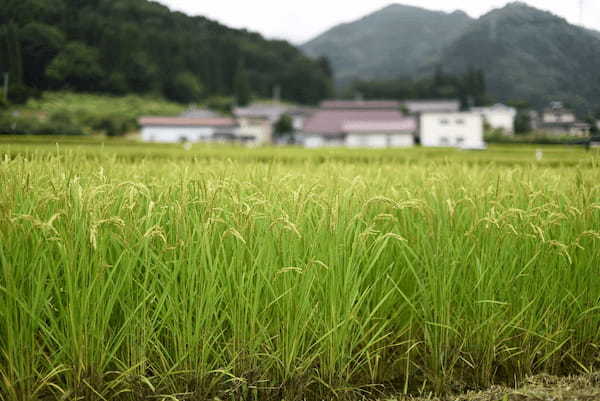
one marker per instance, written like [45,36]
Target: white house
[498,116]
[188,129]
[457,129]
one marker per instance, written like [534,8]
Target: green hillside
[67,113]
[531,55]
[139,46]
[398,40]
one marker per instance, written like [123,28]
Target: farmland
[132,271]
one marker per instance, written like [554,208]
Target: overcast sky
[299,21]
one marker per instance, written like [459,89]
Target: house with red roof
[365,124]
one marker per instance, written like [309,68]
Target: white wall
[313,141]
[176,134]
[383,140]
[260,129]
[452,129]
[356,140]
[550,117]
[298,122]
[402,140]
[318,141]
[499,118]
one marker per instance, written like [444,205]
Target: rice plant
[289,274]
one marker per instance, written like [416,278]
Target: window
[460,140]
[460,121]
[444,141]
[444,121]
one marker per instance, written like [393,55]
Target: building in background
[452,129]
[368,124]
[498,116]
[420,106]
[384,134]
[258,119]
[299,116]
[559,120]
[189,129]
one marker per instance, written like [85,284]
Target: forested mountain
[594,33]
[395,41]
[122,46]
[526,54]
[531,55]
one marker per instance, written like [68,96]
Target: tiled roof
[187,122]
[332,122]
[494,108]
[428,106]
[271,112]
[360,104]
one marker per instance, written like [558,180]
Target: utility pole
[6,86]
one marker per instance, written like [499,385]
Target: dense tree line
[122,46]
[469,88]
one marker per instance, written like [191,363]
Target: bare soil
[538,388]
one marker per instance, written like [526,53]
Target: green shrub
[185,88]
[19,94]
[111,124]
[534,138]
[223,104]
[56,124]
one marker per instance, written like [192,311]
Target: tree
[473,88]
[283,126]
[522,122]
[593,121]
[40,44]
[242,85]
[76,66]
[13,50]
[325,66]
[185,88]
[97,46]
[140,72]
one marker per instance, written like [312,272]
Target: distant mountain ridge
[397,40]
[532,55]
[526,53]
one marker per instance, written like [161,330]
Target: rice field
[132,272]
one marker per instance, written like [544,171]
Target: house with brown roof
[368,124]
[189,129]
